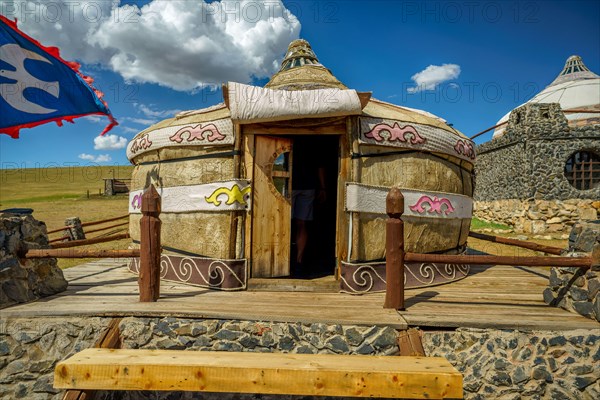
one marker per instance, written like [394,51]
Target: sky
[469,62]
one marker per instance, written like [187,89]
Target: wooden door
[271,205]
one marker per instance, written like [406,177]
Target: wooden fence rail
[519,243]
[91,223]
[527,261]
[86,242]
[395,255]
[149,252]
[104,221]
[107,227]
[78,253]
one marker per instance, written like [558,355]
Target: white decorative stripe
[213,133]
[217,196]
[420,204]
[257,104]
[392,133]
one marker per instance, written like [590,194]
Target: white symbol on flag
[12,93]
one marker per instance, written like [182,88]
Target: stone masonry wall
[514,365]
[538,216]
[30,348]
[575,289]
[496,364]
[25,280]
[528,161]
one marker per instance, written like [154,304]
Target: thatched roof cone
[301,70]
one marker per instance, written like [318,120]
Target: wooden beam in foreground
[109,339]
[266,373]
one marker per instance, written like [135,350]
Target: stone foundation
[30,348]
[25,280]
[496,364]
[575,289]
[512,364]
[537,216]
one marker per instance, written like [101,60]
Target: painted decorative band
[217,196]
[370,277]
[392,133]
[210,273]
[371,199]
[213,133]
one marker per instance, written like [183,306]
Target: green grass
[53,197]
[26,185]
[479,224]
[56,194]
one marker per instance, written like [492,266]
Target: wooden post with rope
[149,277]
[394,258]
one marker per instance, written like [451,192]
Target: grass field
[56,194]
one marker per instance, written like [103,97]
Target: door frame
[340,127]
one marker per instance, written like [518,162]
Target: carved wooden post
[149,277]
[394,259]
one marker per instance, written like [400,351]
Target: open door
[271,205]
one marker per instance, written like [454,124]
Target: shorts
[303,202]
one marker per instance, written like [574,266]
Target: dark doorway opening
[310,153]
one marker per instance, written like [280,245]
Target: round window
[582,170]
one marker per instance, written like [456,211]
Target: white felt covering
[253,104]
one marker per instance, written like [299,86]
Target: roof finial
[574,69]
[299,53]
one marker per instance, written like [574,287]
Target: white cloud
[141,121]
[127,129]
[149,112]
[97,159]
[184,45]
[109,142]
[433,75]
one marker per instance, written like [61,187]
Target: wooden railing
[149,252]
[396,256]
[65,240]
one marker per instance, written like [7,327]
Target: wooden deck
[490,297]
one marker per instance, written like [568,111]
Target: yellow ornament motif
[233,195]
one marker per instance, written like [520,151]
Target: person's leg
[302,212]
[301,239]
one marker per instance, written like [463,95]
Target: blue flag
[37,86]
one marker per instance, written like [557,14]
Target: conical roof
[301,70]
[574,69]
[575,88]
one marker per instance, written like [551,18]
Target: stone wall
[30,348]
[575,289]
[528,160]
[25,280]
[496,364]
[538,216]
[512,364]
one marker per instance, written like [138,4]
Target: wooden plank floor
[490,297]
[106,288]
